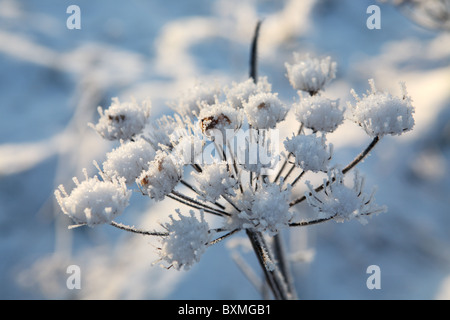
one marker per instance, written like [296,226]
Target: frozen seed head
[129,160]
[341,202]
[310,151]
[319,114]
[268,209]
[311,74]
[194,99]
[162,176]
[264,110]
[380,113]
[122,120]
[214,181]
[239,92]
[93,201]
[219,117]
[188,238]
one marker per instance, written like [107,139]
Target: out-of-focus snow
[53,79]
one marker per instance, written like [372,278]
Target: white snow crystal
[310,152]
[215,180]
[241,91]
[94,202]
[340,202]
[311,74]
[129,159]
[162,176]
[220,117]
[187,240]
[264,110]
[122,120]
[380,113]
[319,113]
[265,210]
[194,99]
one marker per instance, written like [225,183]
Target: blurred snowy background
[52,79]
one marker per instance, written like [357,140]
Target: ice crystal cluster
[215,157]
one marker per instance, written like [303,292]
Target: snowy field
[52,79]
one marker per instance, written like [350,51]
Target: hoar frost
[310,152]
[310,74]
[214,181]
[319,114]
[122,120]
[93,201]
[341,202]
[380,113]
[186,241]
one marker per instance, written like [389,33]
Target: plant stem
[138,231]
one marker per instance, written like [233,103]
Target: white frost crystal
[310,152]
[319,113]
[219,117]
[341,202]
[187,240]
[264,110]
[215,180]
[266,210]
[129,160]
[311,74]
[122,120]
[94,202]
[194,99]
[380,113]
[240,92]
[162,176]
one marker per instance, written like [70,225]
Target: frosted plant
[218,156]
[93,201]
[310,74]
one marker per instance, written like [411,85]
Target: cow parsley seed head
[380,113]
[215,180]
[266,209]
[341,202]
[163,174]
[194,99]
[129,160]
[310,152]
[186,241]
[93,201]
[264,110]
[240,92]
[319,114]
[220,117]
[311,74]
[122,121]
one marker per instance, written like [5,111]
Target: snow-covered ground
[52,79]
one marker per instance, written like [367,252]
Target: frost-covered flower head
[215,180]
[195,98]
[239,92]
[93,201]
[380,113]
[122,120]
[310,152]
[162,176]
[219,117]
[319,113]
[264,110]
[264,210]
[341,202]
[310,74]
[187,240]
[129,160]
